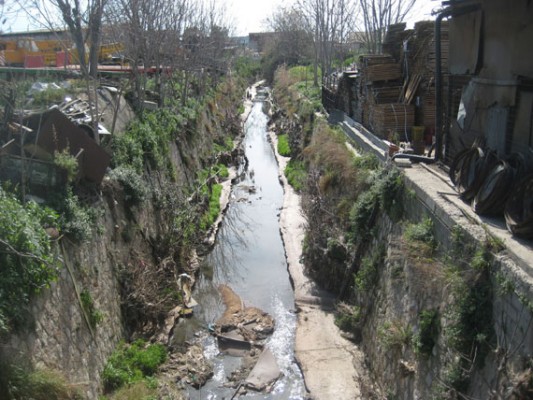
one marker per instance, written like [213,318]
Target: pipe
[414,158]
[438,70]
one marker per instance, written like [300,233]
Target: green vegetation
[363,213]
[391,194]
[428,331]
[247,68]
[296,174]
[77,220]
[283,146]
[470,315]
[92,313]
[226,145]
[348,318]
[20,383]
[394,335]
[456,377]
[26,256]
[135,191]
[421,232]
[367,275]
[132,363]
[143,390]
[147,140]
[214,207]
[63,159]
[49,96]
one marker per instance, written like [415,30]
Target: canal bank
[333,367]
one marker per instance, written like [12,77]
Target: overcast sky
[248,15]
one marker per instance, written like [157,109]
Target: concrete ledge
[436,194]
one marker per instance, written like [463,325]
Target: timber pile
[375,68]
[393,119]
[423,60]
[379,83]
[393,42]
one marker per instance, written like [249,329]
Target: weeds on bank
[348,317]
[420,239]
[296,174]
[395,334]
[283,145]
[21,383]
[133,363]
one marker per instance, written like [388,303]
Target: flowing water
[249,257]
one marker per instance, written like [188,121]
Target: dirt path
[331,365]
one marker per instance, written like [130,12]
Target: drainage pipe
[454,12]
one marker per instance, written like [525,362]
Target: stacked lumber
[423,43]
[382,94]
[393,42]
[377,68]
[393,119]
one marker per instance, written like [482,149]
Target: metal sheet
[465,34]
[56,132]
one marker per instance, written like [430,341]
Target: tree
[290,44]
[329,22]
[377,15]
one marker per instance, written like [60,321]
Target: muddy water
[249,257]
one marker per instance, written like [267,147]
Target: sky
[247,15]
[250,14]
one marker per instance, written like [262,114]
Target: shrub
[135,191]
[283,146]
[49,96]
[391,192]
[348,318]
[470,315]
[77,220]
[132,363]
[63,159]
[146,141]
[221,170]
[27,261]
[421,232]
[367,275]
[363,212]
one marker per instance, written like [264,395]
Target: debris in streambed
[242,332]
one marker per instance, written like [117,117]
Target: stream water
[249,257]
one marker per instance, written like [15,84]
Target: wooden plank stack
[376,68]
[392,44]
[380,82]
[392,120]
[396,91]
